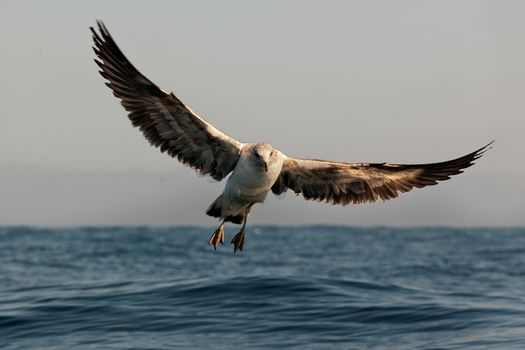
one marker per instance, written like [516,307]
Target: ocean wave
[99,288]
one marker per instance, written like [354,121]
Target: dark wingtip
[101,28]
[482,150]
[100,24]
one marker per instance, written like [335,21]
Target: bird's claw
[238,241]
[217,237]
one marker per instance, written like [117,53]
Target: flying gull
[256,168]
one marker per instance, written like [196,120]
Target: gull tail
[217,209]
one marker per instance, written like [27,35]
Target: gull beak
[266,166]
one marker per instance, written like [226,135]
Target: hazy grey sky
[398,81]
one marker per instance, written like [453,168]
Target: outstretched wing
[345,183]
[163,119]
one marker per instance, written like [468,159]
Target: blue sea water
[292,287]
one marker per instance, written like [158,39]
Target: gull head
[262,154]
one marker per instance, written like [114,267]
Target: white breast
[250,181]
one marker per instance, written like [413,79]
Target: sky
[356,81]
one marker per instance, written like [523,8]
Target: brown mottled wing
[163,119]
[345,183]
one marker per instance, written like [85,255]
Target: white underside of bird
[250,181]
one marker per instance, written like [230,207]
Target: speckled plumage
[256,168]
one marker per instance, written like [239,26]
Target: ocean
[313,287]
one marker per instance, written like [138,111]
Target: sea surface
[322,287]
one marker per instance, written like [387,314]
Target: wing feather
[162,118]
[346,183]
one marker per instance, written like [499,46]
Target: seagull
[255,168]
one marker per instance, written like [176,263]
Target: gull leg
[217,236]
[238,239]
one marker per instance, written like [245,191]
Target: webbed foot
[238,241]
[217,236]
